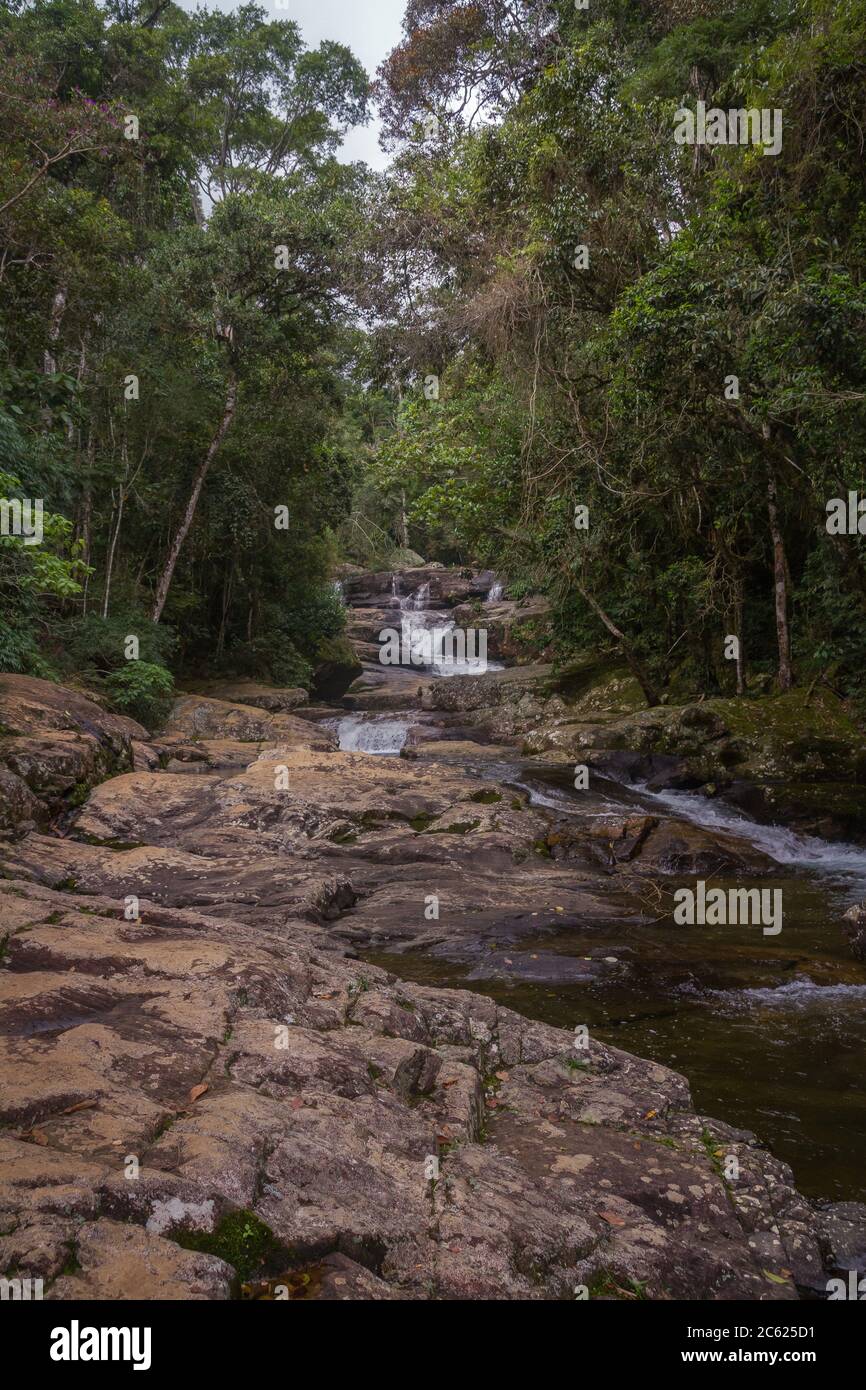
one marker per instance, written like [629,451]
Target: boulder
[336,667]
[197,717]
[276,699]
[58,743]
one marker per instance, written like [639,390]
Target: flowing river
[770,1031]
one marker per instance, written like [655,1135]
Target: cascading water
[435,635]
[380,734]
[845,864]
[495,594]
[419,600]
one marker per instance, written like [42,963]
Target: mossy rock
[242,1239]
[335,667]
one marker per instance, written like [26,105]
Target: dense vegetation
[602,379]
[296,379]
[174,338]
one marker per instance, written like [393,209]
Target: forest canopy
[547,304]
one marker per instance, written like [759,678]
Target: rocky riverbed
[214,1081]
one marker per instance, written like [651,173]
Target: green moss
[343,837]
[605,1285]
[241,1238]
[486,798]
[111,843]
[713,1152]
[461,827]
[421,822]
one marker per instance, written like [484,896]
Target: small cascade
[419,600]
[495,594]
[433,633]
[844,863]
[379,734]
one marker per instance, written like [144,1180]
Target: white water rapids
[846,864]
[371,733]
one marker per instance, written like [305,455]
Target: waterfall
[420,598]
[495,592]
[447,650]
[382,734]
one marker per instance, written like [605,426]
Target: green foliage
[96,645]
[109,268]
[142,691]
[605,385]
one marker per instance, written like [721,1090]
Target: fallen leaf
[650,1114]
[81,1105]
[776,1278]
[297,1102]
[198,1090]
[611,1218]
[502,1075]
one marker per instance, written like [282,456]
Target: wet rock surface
[204,1088]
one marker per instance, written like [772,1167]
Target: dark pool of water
[770,1031]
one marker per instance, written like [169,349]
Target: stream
[771,1032]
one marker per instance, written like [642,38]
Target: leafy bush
[143,691]
[96,644]
[272,659]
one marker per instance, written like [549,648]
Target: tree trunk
[111,552]
[780,577]
[198,210]
[404,523]
[635,665]
[198,481]
[115,535]
[58,308]
[738,629]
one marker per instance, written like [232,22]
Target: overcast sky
[371,28]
